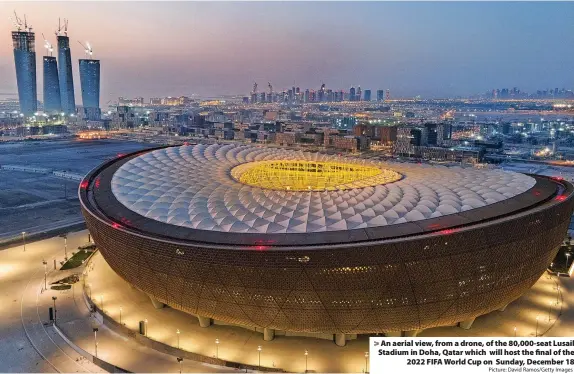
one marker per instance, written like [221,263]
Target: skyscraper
[90,82]
[380,95]
[52,101]
[367,95]
[359,94]
[25,61]
[65,75]
[352,94]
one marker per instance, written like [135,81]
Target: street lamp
[54,298]
[366,362]
[177,332]
[259,348]
[120,315]
[306,357]
[536,334]
[45,272]
[179,360]
[216,348]
[24,240]
[66,248]
[95,329]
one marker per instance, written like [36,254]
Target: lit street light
[45,272]
[177,332]
[180,360]
[259,348]
[95,329]
[24,240]
[216,348]
[366,362]
[54,298]
[306,357]
[66,248]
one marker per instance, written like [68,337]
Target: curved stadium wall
[398,277]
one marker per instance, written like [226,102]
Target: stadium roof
[193,187]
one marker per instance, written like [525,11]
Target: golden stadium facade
[305,242]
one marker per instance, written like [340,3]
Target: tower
[52,101]
[24,43]
[90,83]
[65,70]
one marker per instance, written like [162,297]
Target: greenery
[77,259]
[60,287]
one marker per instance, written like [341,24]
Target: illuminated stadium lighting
[302,175]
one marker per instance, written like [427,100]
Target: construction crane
[64,28]
[87,49]
[254,87]
[47,45]
[19,25]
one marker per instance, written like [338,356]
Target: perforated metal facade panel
[419,280]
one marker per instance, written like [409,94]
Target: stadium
[283,240]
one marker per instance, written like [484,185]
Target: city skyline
[427,49]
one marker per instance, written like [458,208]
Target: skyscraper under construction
[23,41]
[90,81]
[65,71]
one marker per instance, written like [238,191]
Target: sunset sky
[429,49]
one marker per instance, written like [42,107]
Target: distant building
[90,83]
[65,75]
[352,94]
[367,95]
[380,95]
[52,101]
[25,61]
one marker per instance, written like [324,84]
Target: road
[28,343]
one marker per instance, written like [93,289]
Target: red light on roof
[116,225]
[121,155]
[560,198]
[558,178]
[84,185]
[447,231]
[261,247]
[97,183]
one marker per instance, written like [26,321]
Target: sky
[431,49]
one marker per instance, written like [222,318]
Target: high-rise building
[65,75]
[380,95]
[352,94]
[25,61]
[52,101]
[90,82]
[359,95]
[367,95]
